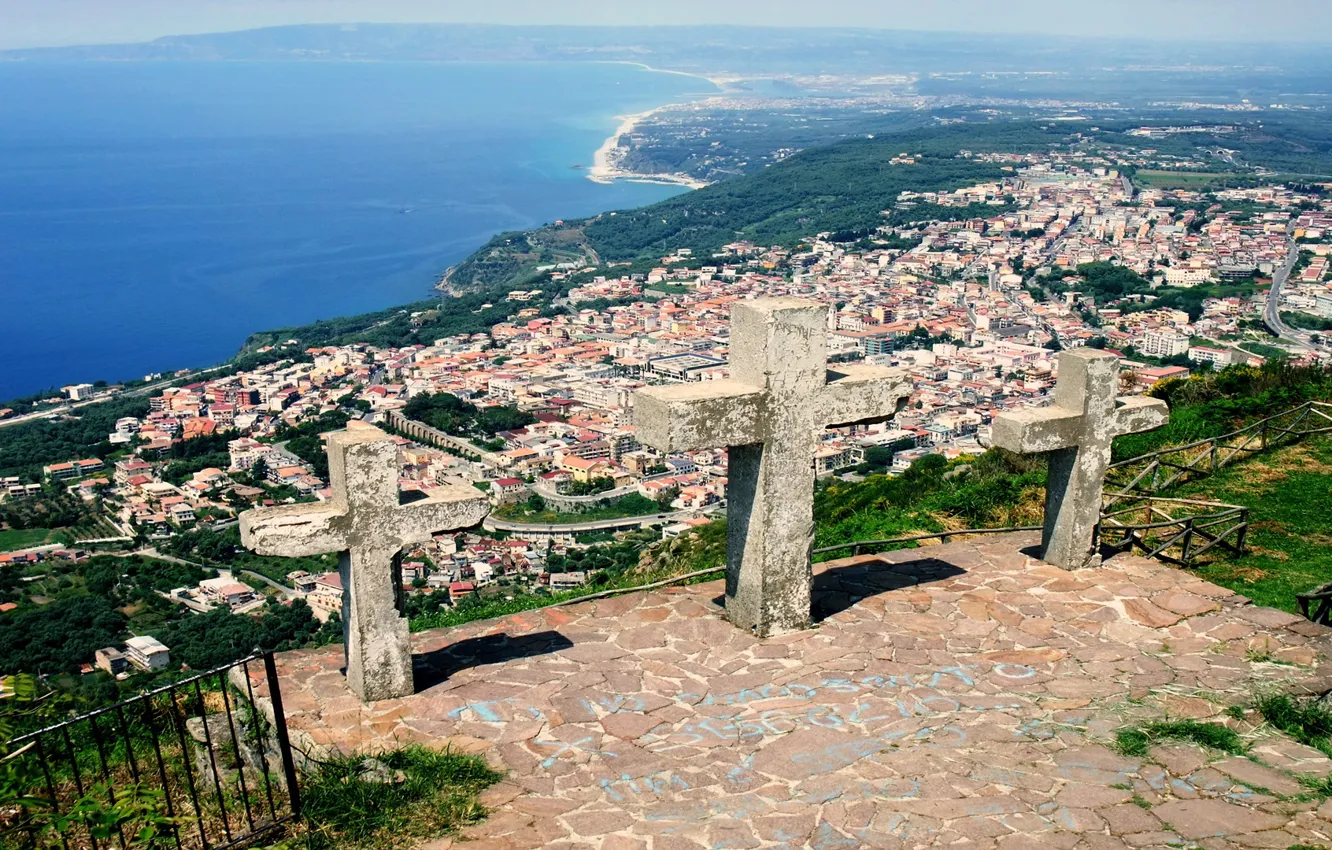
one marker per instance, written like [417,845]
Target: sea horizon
[157,214]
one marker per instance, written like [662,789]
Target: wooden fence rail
[1149,474]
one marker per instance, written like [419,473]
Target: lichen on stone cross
[368,526]
[771,413]
[1076,433]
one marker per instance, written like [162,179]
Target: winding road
[1272,312]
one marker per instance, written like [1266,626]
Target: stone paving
[952,695]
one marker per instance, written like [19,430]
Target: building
[507,490]
[78,392]
[1146,377]
[567,581]
[72,469]
[327,594]
[459,589]
[1165,343]
[1218,357]
[147,653]
[688,366]
[302,581]
[111,660]
[227,591]
[583,470]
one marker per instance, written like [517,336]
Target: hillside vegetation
[999,489]
[1287,491]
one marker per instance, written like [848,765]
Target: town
[972,291]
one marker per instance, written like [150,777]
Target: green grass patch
[1287,491]
[25,538]
[1136,740]
[1263,349]
[427,794]
[1308,720]
[1178,179]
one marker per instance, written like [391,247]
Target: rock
[374,770]
[1207,818]
[1150,615]
[1256,775]
[219,730]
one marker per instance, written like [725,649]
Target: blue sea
[152,215]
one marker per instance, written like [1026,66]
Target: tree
[60,635]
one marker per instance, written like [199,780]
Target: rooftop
[964,692]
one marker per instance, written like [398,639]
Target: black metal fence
[194,764]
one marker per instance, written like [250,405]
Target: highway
[66,408]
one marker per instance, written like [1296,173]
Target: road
[1272,313]
[137,391]
[278,586]
[292,593]
[493,524]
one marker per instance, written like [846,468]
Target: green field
[25,538]
[1287,492]
[1179,179]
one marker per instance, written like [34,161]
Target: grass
[1287,492]
[1178,179]
[1136,740]
[1264,350]
[1308,721]
[25,538]
[434,795]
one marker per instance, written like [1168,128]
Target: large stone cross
[771,413]
[1076,433]
[366,524]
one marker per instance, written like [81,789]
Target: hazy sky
[36,23]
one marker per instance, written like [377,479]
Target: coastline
[605,162]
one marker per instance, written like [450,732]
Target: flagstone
[868,729]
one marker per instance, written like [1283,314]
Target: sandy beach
[606,161]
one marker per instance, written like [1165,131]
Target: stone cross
[771,413]
[1076,433]
[366,524]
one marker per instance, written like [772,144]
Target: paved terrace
[960,694]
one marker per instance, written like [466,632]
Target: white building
[1218,357]
[147,653]
[1164,343]
[77,392]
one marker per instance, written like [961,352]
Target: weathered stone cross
[367,525]
[1076,433]
[771,414]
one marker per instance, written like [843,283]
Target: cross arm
[445,509]
[1037,430]
[1139,413]
[704,415]
[293,531]
[857,394]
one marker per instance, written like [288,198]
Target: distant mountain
[714,49]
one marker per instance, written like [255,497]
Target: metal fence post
[284,741]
